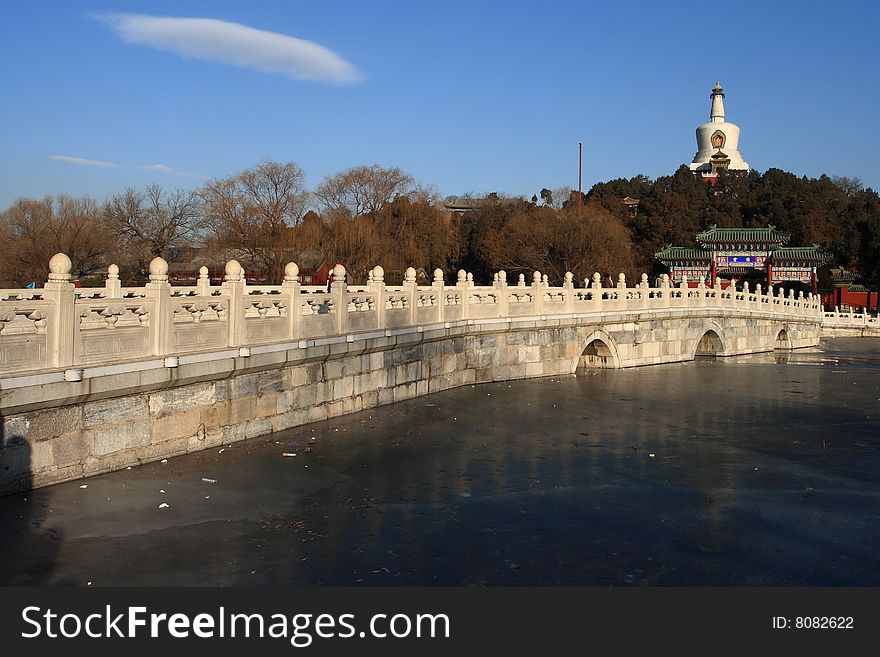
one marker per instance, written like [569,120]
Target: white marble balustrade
[61,327]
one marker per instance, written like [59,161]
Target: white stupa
[717,141]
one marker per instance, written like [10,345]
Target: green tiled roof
[857,288]
[769,234]
[679,253]
[800,254]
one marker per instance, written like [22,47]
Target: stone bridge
[96,379]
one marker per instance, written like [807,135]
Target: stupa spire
[717,113]
[717,141]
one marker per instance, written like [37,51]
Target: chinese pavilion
[755,254]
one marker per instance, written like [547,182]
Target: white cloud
[214,40]
[83,162]
[164,168]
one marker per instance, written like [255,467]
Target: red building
[846,294]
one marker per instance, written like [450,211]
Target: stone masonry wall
[138,417]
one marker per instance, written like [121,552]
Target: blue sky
[467,96]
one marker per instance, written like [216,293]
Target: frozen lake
[747,471]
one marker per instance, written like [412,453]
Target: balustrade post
[203,285]
[645,293]
[290,288]
[411,288]
[719,293]
[64,324]
[745,299]
[596,288]
[439,286]
[701,291]
[161,321]
[376,284]
[568,292]
[503,295]
[666,294]
[537,294]
[233,288]
[339,290]
[461,287]
[112,286]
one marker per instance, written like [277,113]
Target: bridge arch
[598,350]
[710,342]
[783,339]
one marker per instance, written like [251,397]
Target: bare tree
[850,186]
[579,239]
[251,213]
[362,190]
[33,231]
[152,222]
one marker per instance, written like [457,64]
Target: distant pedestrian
[606,280]
[329,280]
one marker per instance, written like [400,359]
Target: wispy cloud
[214,40]
[79,161]
[164,168]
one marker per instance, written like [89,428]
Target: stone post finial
[291,272]
[112,284]
[545,279]
[701,283]
[370,276]
[158,270]
[409,276]
[536,277]
[644,281]
[597,279]
[462,276]
[502,277]
[234,272]
[757,289]
[59,267]
[745,287]
[684,281]
[569,278]
[338,274]
[621,280]
[438,275]
[664,281]
[718,284]
[378,274]
[470,278]
[203,285]
[495,278]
